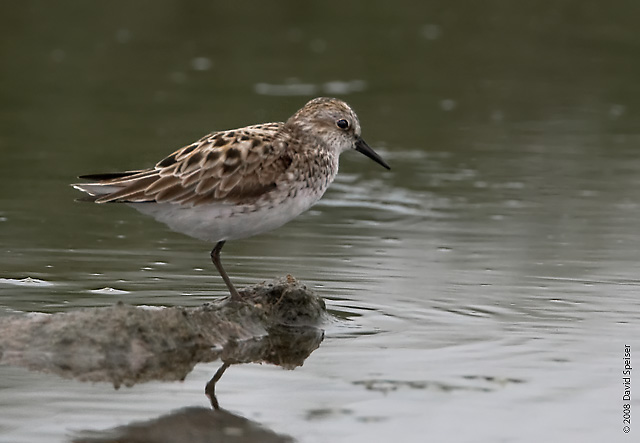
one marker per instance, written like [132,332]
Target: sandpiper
[242,182]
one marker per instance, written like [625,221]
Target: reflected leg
[210,389]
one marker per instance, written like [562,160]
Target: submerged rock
[278,323]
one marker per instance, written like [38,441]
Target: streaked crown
[328,119]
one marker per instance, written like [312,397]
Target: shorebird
[238,183]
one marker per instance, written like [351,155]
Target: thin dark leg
[215,258]
[210,389]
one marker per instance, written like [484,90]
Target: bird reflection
[285,346]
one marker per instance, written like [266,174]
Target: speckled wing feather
[238,166]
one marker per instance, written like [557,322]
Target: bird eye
[342,124]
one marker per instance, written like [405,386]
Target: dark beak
[364,148]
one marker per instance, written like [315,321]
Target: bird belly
[226,221]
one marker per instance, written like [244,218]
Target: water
[481,290]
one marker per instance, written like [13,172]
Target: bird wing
[237,166]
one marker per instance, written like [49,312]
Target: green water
[482,290]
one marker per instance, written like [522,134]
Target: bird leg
[215,258]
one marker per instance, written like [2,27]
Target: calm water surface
[482,290]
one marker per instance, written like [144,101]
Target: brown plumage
[228,165]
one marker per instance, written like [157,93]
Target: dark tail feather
[108,175]
[88,198]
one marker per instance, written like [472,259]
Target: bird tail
[104,185]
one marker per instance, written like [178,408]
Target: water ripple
[28,281]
